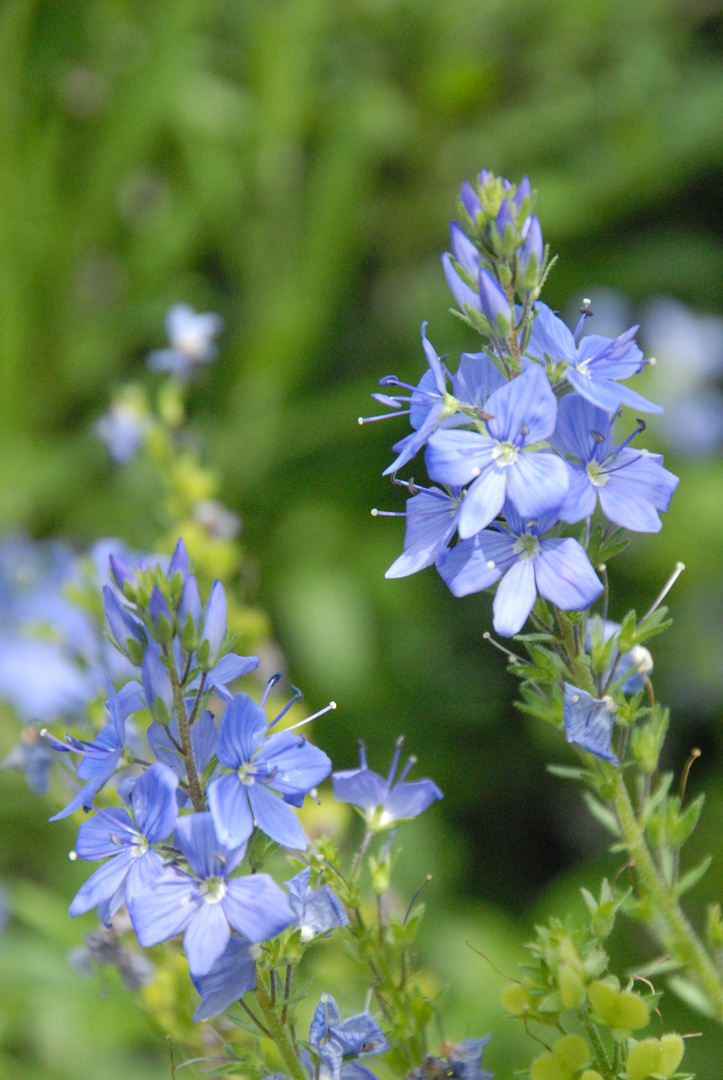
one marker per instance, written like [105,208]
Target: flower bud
[190,614]
[494,304]
[214,628]
[157,687]
[655,1057]
[179,563]
[121,574]
[127,633]
[530,256]
[160,614]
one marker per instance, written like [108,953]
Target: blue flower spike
[384,803]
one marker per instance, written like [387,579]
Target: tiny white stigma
[652,361]
[44,731]
[374,512]
[332,704]
[602,567]
[587,301]
[491,564]
[72,855]
[610,704]
[360,420]
[314,793]
[575,698]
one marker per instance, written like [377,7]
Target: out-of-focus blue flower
[31,757]
[206,903]
[589,722]
[128,634]
[632,485]
[495,466]
[232,976]
[638,661]
[262,767]
[214,625]
[384,803]
[333,1040]
[463,1063]
[317,910]
[123,430]
[41,681]
[101,757]
[558,569]
[110,834]
[191,341]
[595,362]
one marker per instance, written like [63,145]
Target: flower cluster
[174,851]
[518,442]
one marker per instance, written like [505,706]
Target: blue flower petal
[102,884]
[243,725]
[100,835]
[154,802]
[229,806]
[407,800]
[275,818]
[256,907]
[206,937]
[525,409]
[196,839]
[514,599]
[537,483]
[565,575]
[360,787]
[589,722]
[164,909]
[485,498]
[232,976]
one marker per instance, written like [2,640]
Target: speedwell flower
[589,722]
[258,767]
[383,803]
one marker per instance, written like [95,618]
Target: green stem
[279,1032]
[602,1059]
[184,734]
[680,937]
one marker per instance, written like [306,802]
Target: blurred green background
[293,165]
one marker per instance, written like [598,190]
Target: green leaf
[693,876]
[604,815]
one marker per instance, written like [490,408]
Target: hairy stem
[679,936]
[279,1032]
[184,733]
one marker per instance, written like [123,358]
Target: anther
[374,512]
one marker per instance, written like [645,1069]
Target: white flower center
[596,474]
[527,547]
[213,890]
[140,847]
[505,454]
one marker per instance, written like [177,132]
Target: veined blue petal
[206,937]
[86,794]
[456,457]
[581,497]
[100,836]
[256,907]
[197,842]
[232,976]
[144,870]
[623,506]
[525,409]
[550,337]
[103,883]
[407,800]
[276,818]
[204,740]
[229,806]
[164,909]
[607,394]
[485,498]
[229,668]
[325,1014]
[465,569]
[359,1035]
[435,364]
[537,483]
[243,725]
[431,521]
[515,598]
[577,419]
[589,722]
[476,378]
[299,765]
[154,802]
[360,787]
[565,575]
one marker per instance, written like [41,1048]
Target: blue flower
[333,1039]
[524,412]
[263,766]
[589,722]
[430,405]
[557,568]
[191,339]
[123,430]
[632,485]
[110,834]
[205,904]
[594,362]
[432,518]
[384,803]
[31,757]
[164,741]
[232,976]
[316,910]
[636,663]
[101,757]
